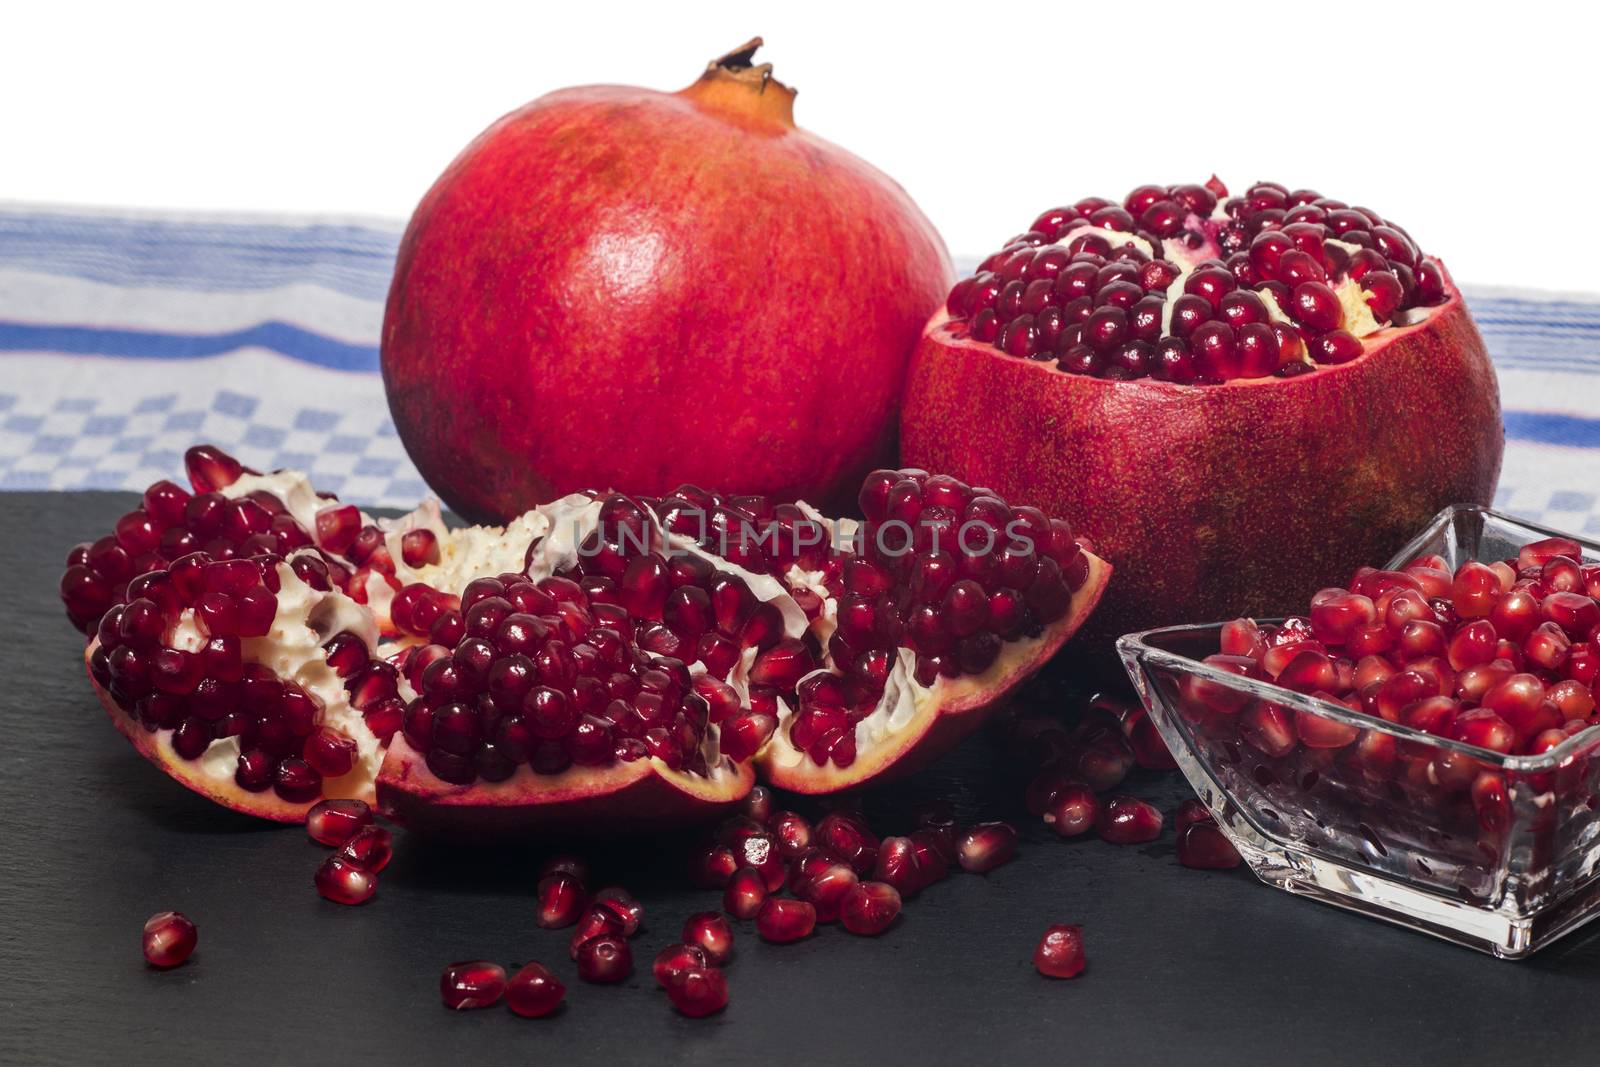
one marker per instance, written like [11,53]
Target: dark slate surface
[1184,966]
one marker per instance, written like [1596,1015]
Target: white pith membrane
[1358,318]
[306,618]
[294,648]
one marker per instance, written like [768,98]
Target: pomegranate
[735,282]
[602,662]
[169,939]
[1196,380]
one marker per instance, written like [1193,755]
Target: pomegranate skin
[620,287]
[1223,500]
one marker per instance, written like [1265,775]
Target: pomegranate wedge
[600,663]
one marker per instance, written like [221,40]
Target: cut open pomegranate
[601,662]
[1186,366]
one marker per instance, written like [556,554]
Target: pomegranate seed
[474,984]
[745,893]
[333,822]
[210,468]
[343,882]
[793,834]
[782,921]
[1073,811]
[561,901]
[711,933]
[985,846]
[848,837]
[674,959]
[1060,952]
[869,908]
[596,922]
[533,992]
[712,867]
[419,548]
[900,866]
[330,752]
[627,911]
[1128,820]
[759,851]
[169,938]
[758,804]
[606,959]
[822,883]
[698,991]
[1202,844]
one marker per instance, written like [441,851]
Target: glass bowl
[1497,852]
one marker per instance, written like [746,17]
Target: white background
[1448,120]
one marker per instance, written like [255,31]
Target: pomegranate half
[603,662]
[1237,399]
[621,287]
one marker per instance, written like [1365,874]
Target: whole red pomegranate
[1239,399]
[624,288]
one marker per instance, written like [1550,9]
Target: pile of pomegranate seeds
[545,676]
[169,938]
[350,875]
[599,942]
[1186,284]
[838,871]
[1077,768]
[1502,656]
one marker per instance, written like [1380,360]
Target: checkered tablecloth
[126,338]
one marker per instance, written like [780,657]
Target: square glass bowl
[1500,853]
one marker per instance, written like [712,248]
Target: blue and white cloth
[124,338]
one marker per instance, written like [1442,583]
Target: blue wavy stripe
[308,346]
[1571,430]
[202,257]
[281,337]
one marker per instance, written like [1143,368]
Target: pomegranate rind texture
[606,246]
[218,788]
[595,801]
[1234,499]
[953,709]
